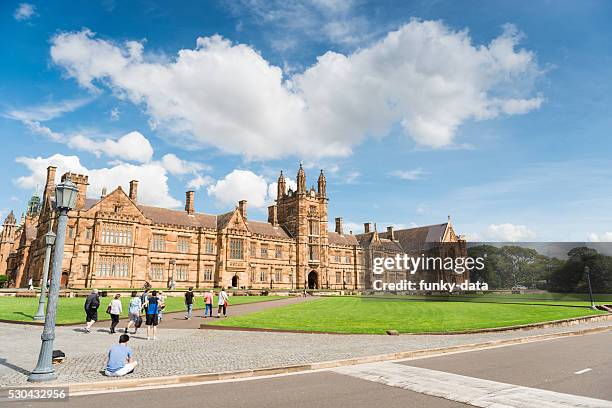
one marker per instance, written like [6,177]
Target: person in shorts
[120,361]
[92,303]
[134,312]
[152,306]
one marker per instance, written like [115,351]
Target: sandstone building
[114,241]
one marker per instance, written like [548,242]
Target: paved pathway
[180,351]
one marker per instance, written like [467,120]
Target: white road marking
[586,370]
[468,390]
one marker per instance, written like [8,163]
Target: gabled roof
[420,238]
[264,228]
[336,239]
[176,217]
[224,219]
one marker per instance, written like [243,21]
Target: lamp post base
[42,376]
[39,317]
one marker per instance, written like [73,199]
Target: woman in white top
[222,303]
[115,309]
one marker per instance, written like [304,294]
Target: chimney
[242,206]
[50,183]
[189,202]
[103,192]
[273,215]
[366,227]
[390,233]
[81,182]
[133,190]
[339,228]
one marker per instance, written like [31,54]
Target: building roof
[176,217]
[336,239]
[417,239]
[265,228]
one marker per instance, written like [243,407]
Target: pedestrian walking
[134,313]
[222,303]
[115,309]
[92,303]
[30,284]
[189,303]
[144,296]
[152,307]
[162,305]
[208,303]
[120,361]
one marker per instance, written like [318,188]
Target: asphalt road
[549,365]
[554,365]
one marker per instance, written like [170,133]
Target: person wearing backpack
[92,303]
[134,313]
[152,306]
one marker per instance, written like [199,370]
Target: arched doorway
[64,280]
[312,280]
[235,281]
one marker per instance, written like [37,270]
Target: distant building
[113,241]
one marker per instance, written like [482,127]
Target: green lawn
[70,310]
[367,315]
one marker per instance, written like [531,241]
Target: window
[338,277]
[157,271]
[70,232]
[210,246]
[88,233]
[236,248]
[113,266]
[116,234]
[278,252]
[264,251]
[348,278]
[182,245]
[253,250]
[347,258]
[208,273]
[181,272]
[262,275]
[84,270]
[159,242]
[313,227]
[336,258]
[278,275]
[313,249]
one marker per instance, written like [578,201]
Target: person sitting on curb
[120,361]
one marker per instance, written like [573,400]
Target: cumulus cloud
[132,147]
[425,77]
[508,232]
[178,166]
[240,185]
[605,237]
[153,179]
[24,11]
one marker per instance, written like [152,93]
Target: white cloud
[153,180]
[39,129]
[199,181]
[132,147]
[178,166]
[508,233]
[422,209]
[424,76]
[240,185]
[43,113]
[24,11]
[605,237]
[415,174]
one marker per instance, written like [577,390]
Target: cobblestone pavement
[184,351]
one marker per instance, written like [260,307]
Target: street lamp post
[587,270]
[65,200]
[49,240]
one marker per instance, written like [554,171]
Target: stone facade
[113,241]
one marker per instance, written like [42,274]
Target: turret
[301,180]
[281,188]
[322,184]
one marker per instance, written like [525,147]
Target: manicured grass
[367,315]
[70,310]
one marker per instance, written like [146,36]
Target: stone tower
[303,213]
[7,237]
[34,206]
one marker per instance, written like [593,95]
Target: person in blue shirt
[120,361]
[152,307]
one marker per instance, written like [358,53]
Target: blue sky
[497,113]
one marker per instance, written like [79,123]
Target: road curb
[135,383]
